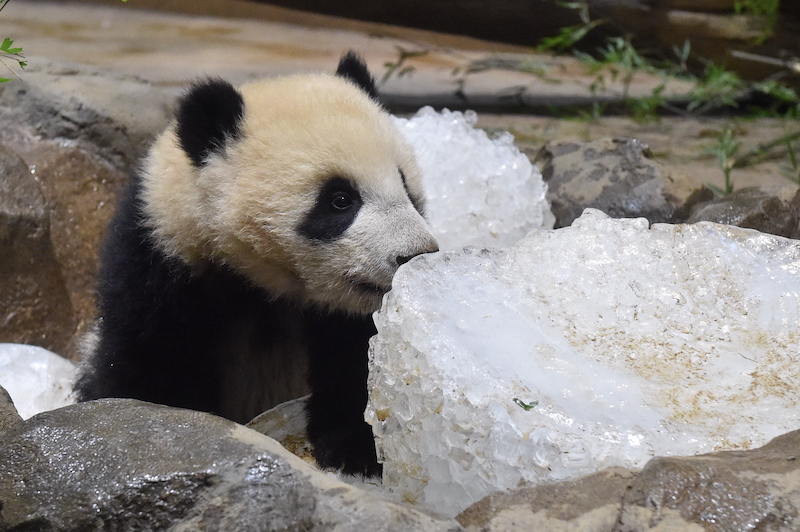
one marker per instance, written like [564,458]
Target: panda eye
[341,201]
[335,209]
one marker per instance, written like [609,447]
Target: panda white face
[355,237]
[303,185]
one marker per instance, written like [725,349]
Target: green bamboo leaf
[6,47]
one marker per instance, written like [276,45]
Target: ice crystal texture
[36,379]
[480,191]
[604,343]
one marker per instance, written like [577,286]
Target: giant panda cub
[247,256]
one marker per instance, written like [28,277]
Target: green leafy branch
[570,35]
[10,53]
[725,149]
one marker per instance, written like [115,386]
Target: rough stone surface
[71,135]
[615,176]
[588,504]
[109,113]
[120,464]
[81,188]
[773,210]
[8,413]
[34,303]
[734,490]
[718,492]
[286,424]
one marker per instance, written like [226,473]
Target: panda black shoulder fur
[246,258]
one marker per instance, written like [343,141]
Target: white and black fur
[247,256]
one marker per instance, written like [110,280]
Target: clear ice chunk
[36,379]
[479,191]
[600,344]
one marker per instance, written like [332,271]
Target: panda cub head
[302,184]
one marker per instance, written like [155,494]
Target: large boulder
[588,504]
[70,135]
[120,464]
[773,210]
[614,175]
[34,300]
[733,490]
[720,491]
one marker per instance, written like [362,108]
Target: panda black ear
[209,115]
[353,68]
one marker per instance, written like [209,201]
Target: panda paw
[351,450]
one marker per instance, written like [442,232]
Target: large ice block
[604,343]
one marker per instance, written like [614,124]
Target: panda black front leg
[338,377]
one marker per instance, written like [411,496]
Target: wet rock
[773,210]
[8,413]
[734,490]
[588,504]
[123,464]
[81,189]
[615,176]
[34,303]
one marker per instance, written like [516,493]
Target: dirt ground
[682,143]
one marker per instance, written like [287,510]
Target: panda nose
[402,259]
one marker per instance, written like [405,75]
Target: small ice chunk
[604,343]
[36,379]
[480,191]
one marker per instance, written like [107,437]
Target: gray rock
[717,492]
[8,412]
[773,210]
[613,175]
[588,504]
[110,113]
[733,490]
[119,464]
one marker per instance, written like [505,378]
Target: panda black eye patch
[335,209]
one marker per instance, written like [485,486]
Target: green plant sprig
[762,151]
[8,52]
[725,150]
